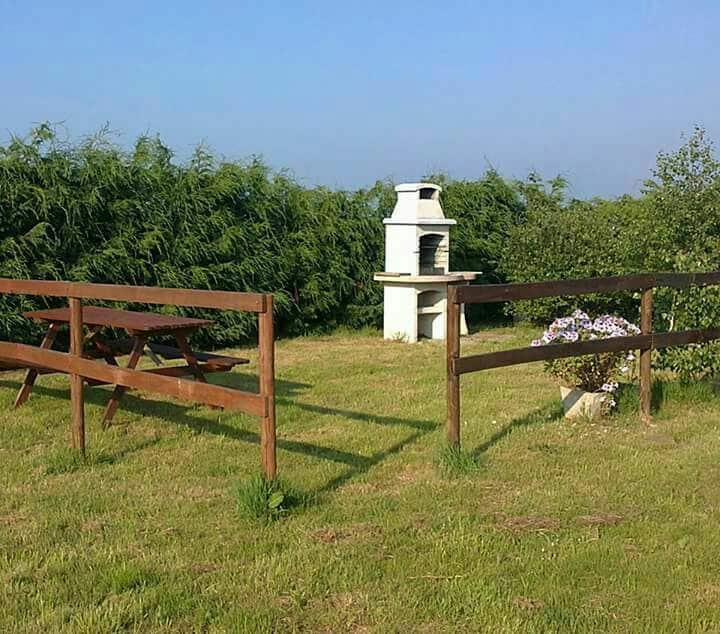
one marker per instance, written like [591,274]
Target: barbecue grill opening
[430,299]
[432,254]
[431,305]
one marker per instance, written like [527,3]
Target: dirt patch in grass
[339,612]
[410,475]
[361,488]
[526,603]
[13,519]
[345,600]
[706,593]
[200,493]
[415,472]
[203,569]
[539,523]
[530,523]
[330,535]
[419,523]
[631,549]
[601,519]
[92,526]
[659,438]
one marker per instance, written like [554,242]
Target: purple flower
[602,369]
[549,337]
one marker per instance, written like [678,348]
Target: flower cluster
[579,327]
[593,373]
[609,389]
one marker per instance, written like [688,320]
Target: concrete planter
[580,404]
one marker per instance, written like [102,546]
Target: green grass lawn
[552,526]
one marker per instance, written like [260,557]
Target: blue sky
[344,93]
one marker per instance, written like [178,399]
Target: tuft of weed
[259,498]
[127,577]
[455,461]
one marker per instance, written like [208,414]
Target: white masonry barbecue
[416,277]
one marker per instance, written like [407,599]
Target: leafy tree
[685,199]
[673,226]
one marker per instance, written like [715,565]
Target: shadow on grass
[547,413]
[663,393]
[356,464]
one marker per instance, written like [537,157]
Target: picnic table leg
[154,358]
[32,374]
[119,391]
[92,334]
[187,353]
[191,359]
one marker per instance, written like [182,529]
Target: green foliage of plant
[564,239]
[685,197]
[673,226]
[261,499]
[487,210]
[457,462]
[703,393]
[90,211]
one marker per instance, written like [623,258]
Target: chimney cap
[414,187]
[418,202]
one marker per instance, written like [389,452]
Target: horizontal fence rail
[504,358]
[645,342]
[203,393]
[163,381]
[493,293]
[194,298]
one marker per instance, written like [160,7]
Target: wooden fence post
[266,346]
[76,381]
[646,315]
[452,347]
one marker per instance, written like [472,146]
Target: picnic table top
[129,320]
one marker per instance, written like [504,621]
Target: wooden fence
[81,369]
[644,342]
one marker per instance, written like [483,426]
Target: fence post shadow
[180,414]
[545,414]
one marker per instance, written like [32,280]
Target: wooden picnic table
[139,327]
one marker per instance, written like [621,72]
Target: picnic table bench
[139,328]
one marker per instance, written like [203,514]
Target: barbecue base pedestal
[415,305]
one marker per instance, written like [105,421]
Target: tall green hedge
[89,211]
